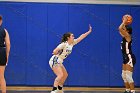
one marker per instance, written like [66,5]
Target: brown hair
[0,17]
[65,37]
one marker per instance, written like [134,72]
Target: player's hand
[90,28]
[124,19]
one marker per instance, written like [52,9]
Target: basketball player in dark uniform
[129,59]
[4,54]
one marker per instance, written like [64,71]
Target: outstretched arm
[81,37]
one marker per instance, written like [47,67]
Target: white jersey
[65,49]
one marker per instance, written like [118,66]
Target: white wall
[130,2]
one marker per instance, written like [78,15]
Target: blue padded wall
[36,29]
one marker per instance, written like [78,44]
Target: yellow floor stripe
[65,88]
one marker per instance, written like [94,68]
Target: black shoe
[127,92]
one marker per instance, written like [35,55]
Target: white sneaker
[60,91]
[54,91]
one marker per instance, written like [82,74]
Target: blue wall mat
[135,11]
[2,12]
[90,58]
[78,24]
[37,44]
[57,26]
[15,23]
[100,45]
[36,29]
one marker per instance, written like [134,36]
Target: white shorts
[54,60]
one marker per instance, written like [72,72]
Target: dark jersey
[2,37]
[3,58]
[128,56]
[126,47]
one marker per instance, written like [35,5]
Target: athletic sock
[54,88]
[60,87]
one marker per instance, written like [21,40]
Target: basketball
[129,19]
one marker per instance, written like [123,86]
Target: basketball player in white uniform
[59,54]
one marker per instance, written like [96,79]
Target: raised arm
[81,37]
[123,31]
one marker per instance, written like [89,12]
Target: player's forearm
[122,27]
[84,35]
[87,33]
[55,51]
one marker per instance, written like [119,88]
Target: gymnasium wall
[36,29]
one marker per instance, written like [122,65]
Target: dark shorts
[129,59]
[3,58]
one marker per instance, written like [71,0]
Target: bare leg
[2,79]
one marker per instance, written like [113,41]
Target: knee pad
[124,76]
[129,76]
